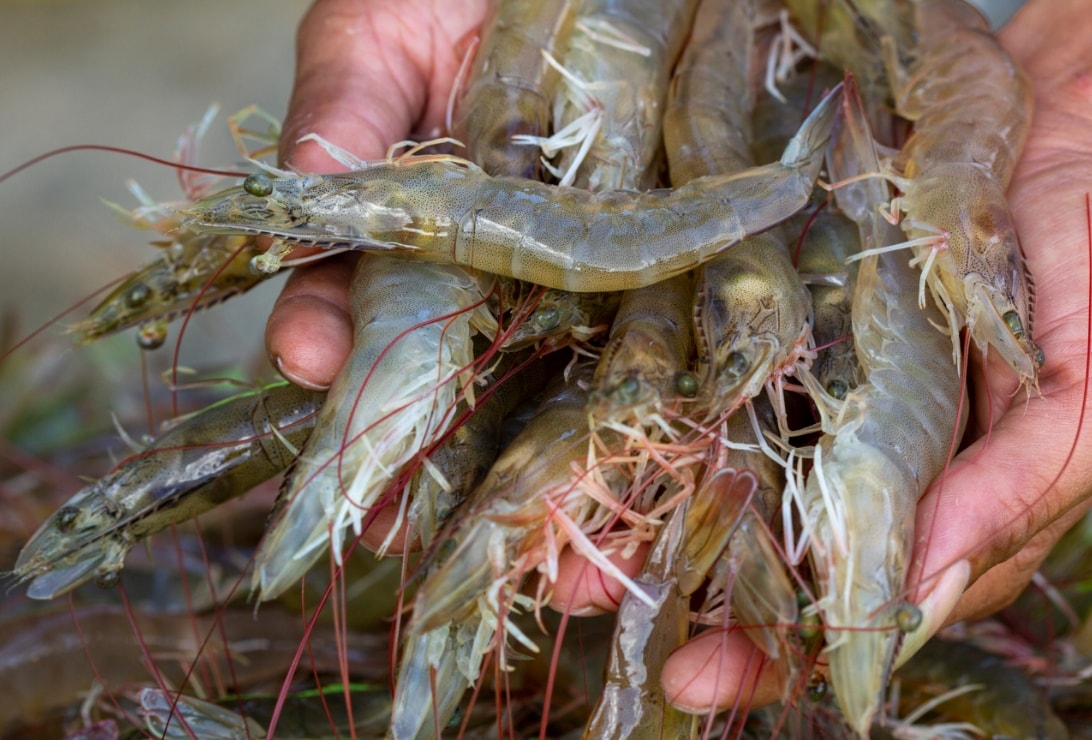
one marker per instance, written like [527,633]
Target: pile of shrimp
[610,321]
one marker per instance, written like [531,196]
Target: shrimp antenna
[116,150]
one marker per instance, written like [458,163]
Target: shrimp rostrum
[443,208]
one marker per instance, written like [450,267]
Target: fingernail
[295,379]
[936,607]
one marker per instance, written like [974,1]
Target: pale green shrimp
[195,271]
[444,209]
[953,173]
[883,445]
[645,364]
[209,457]
[504,532]
[411,353]
[511,85]
[751,310]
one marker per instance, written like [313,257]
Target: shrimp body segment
[449,210]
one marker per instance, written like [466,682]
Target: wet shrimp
[751,311]
[202,461]
[882,447]
[617,62]
[447,209]
[512,85]
[411,353]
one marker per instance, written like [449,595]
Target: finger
[309,334]
[368,73]
[584,590]
[717,670]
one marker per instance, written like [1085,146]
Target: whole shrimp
[512,85]
[447,209]
[377,416]
[202,461]
[954,169]
[882,447]
[751,310]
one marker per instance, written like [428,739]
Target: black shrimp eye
[1013,322]
[258,184]
[546,318]
[908,618]
[137,296]
[66,518]
[1040,358]
[735,365]
[838,389]
[686,384]
[152,334]
[109,579]
[818,690]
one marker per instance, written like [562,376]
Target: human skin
[372,72]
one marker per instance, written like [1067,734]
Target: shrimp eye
[109,579]
[258,184]
[818,690]
[138,296]
[838,389]
[152,334]
[1013,322]
[686,384]
[547,318]
[908,618]
[1040,358]
[735,365]
[628,389]
[66,518]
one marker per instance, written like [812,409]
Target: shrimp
[1000,700]
[197,271]
[505,530]
[204,460]
[447,209]
[511,85]
[955,168]
[645,363]
[559,313]
[751,310]
[617,65]
[377,416]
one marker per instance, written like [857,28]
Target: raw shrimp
[512,85]
[447,209]
[645,362]
[1002,700]
[204,460]
[395,397]
[883,445]
[955,168]
[195,272]
[607,116]
[751,310]
[560,313]
[503,532]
